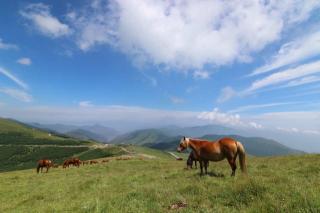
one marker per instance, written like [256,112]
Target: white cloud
[258,106]
[24,61]
[40,16]
[119,117]
[293,52]
[226,94]
[303,120]
[296,130]
[85,104]
[187,34]
[13,78]
[177,100]
[94,25]
[6,46]
[223,118]
[302,81]
[286,75]
[153,81]
[255,125]
[201,74]
[228,119]
[17,94]
[191,89]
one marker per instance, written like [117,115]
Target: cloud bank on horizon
[247,60]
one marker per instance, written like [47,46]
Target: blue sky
[251,64]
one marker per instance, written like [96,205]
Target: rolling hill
[16,133]
[157,139]
[97,132]
[22,145]
[83,134]
[141,137]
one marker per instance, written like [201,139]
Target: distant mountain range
[198,131]
[169,138]
[89,132]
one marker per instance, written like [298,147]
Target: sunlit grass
[275,184]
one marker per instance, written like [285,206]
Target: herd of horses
[75,162]
[203,151]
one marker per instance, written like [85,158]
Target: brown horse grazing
[85,162]
[216,151]
[93,162]
[55,165]
[44,163]
[104,161]
[192,158]
[73,161]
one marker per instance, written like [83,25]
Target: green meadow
[152,181]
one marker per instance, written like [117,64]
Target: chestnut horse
[216,151]
[192,158]
[93,162]
[85,162]
[74,161]
[44,163]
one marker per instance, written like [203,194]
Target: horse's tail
[242,157]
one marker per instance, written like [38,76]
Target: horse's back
[227,142]
[228,146]
[218,150]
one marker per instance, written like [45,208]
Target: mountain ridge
[158,139]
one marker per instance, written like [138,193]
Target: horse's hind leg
[195,164]
[233,165]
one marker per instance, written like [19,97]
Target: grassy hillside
[14,132]
[274,184]
[8,126]
[141,137]
[102,133]
[21,146]
[82,134]
[26,157]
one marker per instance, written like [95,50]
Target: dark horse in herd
[72,161]
[44,164]
[225,148]
[192,159]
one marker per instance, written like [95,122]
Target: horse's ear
[184,138]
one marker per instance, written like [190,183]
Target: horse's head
[183,144]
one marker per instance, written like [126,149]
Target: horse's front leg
[206,166]
[201,167]
[47,169]
[195,164]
